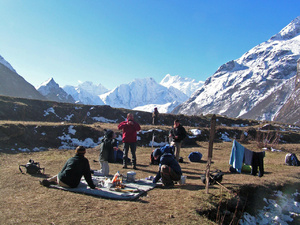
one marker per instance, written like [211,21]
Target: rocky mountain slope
[254,86]
[12,84]
[290,112]
[34,125]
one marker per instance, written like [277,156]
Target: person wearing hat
[129,138]
[177,134]
[107,147]
[73,170]
[169,169]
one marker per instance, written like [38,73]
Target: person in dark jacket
[169,169]
[129,138]
[177,134]
[107,147]
[73,170]
[155,116]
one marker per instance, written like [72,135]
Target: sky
[113,42]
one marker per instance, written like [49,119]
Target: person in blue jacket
[169,169]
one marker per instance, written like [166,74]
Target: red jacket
[129,131]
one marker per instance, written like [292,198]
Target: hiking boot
[45,183]
[167,186]
[134,167]
[125,167]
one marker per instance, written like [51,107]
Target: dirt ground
[25,201]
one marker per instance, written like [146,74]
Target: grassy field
[25,201]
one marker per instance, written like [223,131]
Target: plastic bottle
[116,178]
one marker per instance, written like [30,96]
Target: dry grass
[24,201]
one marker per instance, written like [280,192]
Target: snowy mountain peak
[50,83]
[186,85]
[91,88]
[51,90]
[5,63]
[141,92]
[290,31]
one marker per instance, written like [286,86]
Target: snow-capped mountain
[254,86]
[187,85]
[51,90]
[290,111]
[12,84]
[86,93]
[142,92]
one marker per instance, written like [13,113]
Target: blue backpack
[195,157]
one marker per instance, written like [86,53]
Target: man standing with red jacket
[130,129]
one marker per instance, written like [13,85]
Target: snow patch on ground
[281,210]
[104,120]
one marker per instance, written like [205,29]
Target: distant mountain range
[140,94]
[262,84]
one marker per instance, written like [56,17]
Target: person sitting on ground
[169,169]
[107,147]
[73,170]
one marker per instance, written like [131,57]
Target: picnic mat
[131,191]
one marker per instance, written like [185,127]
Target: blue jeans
[126,146]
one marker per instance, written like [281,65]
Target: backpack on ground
[216,176]
[291,160]
[32,168]
[119,157]
[195,157]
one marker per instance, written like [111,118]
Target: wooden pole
[210,149]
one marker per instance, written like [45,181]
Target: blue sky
[113,42]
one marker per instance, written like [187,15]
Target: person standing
[73,170]
[129,138]
[169,169]
[177,134]
[107,147]
[155,116]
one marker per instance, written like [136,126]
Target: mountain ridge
[243,87]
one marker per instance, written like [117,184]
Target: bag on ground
[216,176]
[291,160]
[32,168]
[195,157]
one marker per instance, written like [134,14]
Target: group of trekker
[78,166]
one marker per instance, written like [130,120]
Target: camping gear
[182,180]
[131,192]
[131,176]
[291,160]
[195,157]
[216,176]
[32,168]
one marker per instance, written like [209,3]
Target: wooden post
[210,149]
